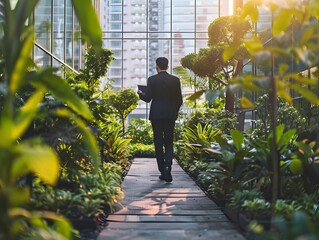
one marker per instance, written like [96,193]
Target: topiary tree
[210,63]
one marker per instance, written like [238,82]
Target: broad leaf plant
[19,156]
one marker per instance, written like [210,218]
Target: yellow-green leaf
[39,159]
[19,196]
[23,61]
[254,45]
[196,95]
[90,26]
[283,68]
[285,95]
[61,90]
[26,114]
[296,166]
[309,95]
[246,103]
[299,78]
[250,9]
[62,225]
[230,51]
[282,21]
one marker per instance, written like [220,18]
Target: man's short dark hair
[162,63]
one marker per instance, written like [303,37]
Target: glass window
[116,44]
[116,17]
[116,26]
[116,8]
[139,31]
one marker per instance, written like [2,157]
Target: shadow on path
[153,209]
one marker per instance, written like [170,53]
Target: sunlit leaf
[62,225]
[196,95]
[229,51]
[90,25]
[315,7]
[238,138]
[296,166]
[254,45]
[246,103]
[39,159]
[303,54]
[308,94]
[285,139]
[250,9]
[283,68]
[285,95]
[299,78]
[282,21]
[307,35]
[19,196]
[22,63]
[88,137]
[61,90]
[26,114]
[213,151]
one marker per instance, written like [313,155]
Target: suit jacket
[164,90]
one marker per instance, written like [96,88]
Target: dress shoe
[167,174]
[161,177]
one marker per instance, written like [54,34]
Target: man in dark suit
[164,90]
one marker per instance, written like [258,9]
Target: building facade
[139,31]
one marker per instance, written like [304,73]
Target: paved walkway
[153,209]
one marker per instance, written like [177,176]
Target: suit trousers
[163,131]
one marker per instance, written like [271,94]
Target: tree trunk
[230,96]
[230,101]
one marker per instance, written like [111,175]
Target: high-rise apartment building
[139,31]
[1,10]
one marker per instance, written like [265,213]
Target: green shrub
[90,193]
[142,150]
[140,131]
[287,115]
[204,117]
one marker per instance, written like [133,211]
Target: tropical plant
[294,21]
[140,131]
[22,156]
[202,116]
[115,145]
[287,115]
[299,227]
[256,208]
[239,197]
[94,193]
[122,103]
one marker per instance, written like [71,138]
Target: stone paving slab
[153,209]
[173,234]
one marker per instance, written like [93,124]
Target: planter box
[243,221]
[232,213]
[84,224]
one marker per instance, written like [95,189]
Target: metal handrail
[55,57]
